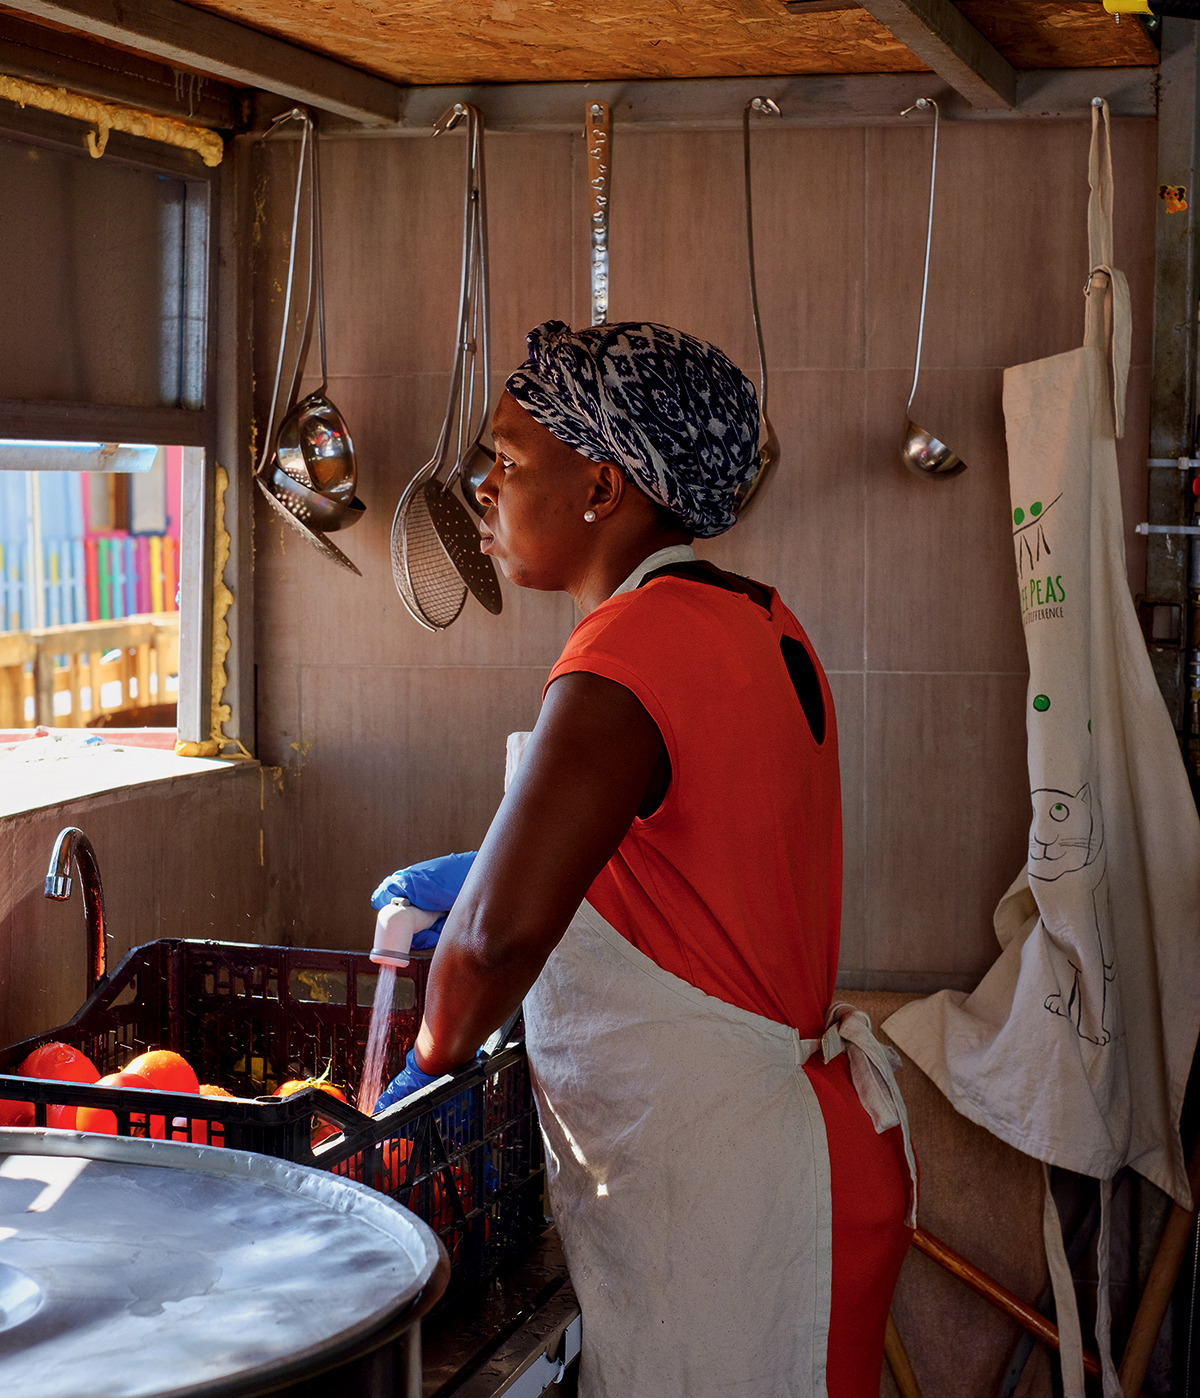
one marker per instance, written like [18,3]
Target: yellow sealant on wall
[106,117]
[222,600]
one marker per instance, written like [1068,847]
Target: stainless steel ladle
[768,451]
[922,452]
[314,445]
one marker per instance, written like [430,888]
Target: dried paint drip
[377,1040]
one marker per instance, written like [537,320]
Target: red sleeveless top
[734,883]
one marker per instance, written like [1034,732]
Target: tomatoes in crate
[165,1071]
[322,1130]
[56,1062]
[102,1120]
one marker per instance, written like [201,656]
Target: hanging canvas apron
[687,1166]
[1075,1048]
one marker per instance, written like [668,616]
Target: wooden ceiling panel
[464,41]
[1060,34]
[467,41]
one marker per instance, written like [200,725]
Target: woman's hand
[596,757]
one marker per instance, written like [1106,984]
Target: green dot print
[1041,703]
[1018,515]
[1036,508]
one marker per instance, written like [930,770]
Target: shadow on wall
[391,740]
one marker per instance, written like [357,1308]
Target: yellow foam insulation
[106,118]
[221,713]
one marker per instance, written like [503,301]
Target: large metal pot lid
[134,1267]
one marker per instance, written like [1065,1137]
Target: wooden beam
[205,43]
[80,63]
[99,422]
[713,104]
[940,35]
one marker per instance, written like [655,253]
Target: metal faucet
[70,841]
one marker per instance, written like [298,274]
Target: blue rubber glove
[410,1079]
[427,939]
[433,884]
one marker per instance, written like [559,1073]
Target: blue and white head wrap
[677,416]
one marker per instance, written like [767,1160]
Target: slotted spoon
[434,546]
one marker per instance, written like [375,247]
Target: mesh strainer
[435,546]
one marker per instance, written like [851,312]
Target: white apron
[1076,1045]
[688,1168]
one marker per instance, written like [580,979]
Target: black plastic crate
[466,1157]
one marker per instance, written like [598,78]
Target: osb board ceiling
[1048,34]
[461,41]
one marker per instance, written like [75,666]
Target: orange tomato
[200,1129]
[321,1130]
[165,1071]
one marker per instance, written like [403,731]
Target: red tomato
[165,1071]
[200,1129]
[57,1062]
[101,1120]
[13,1113]
[60,1062]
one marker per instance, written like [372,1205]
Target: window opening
[89,592]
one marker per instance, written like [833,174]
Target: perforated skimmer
[435,546]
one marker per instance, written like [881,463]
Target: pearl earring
[590,516]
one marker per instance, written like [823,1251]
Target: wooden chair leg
[898,1362]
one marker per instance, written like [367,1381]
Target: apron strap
[1108,317]
[873,1072]
[1066,1308]
[1112,1383]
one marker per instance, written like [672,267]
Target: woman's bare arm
[593,756]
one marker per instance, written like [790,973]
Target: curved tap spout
[70,841]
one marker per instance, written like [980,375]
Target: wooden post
[143,674]
[43,687]
[160,666]
[93,683]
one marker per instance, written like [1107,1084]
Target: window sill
[64,766]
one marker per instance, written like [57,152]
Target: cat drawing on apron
[1066,841]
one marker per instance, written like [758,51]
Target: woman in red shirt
[727,1154]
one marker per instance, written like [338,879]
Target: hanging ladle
[768,451]
[920,450]
[314,445]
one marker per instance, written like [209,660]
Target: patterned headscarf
[678,417]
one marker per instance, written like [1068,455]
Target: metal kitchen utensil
[768,451]
[314,445]
[920,450]
[288,488]
[598,130]
[317,540]
[312,507]
[476,462]
[434,546]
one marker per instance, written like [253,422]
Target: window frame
[216,430]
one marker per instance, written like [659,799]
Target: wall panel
[906,586]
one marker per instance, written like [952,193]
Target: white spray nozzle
[396,925]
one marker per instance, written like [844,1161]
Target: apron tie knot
[873,1072]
